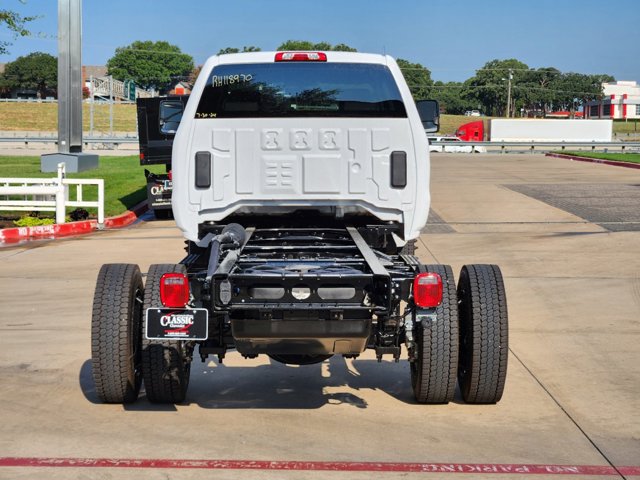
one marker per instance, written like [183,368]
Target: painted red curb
[594,160]
[472,468]
[11,235]
[126,218]
[17,234]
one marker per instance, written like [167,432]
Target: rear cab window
[300,89]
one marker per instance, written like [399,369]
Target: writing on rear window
[219,81]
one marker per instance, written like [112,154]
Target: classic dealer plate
[177,324]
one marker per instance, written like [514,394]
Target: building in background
[93,71]
[181,88]
[621,100]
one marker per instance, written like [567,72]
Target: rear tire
[433,372]
[484,333]
[116,333]
[166,364]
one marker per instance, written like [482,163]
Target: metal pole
[63,76]
[69,76]
[69,93]
[509,94]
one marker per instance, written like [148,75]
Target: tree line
[159,65]
[539,90]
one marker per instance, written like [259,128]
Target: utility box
[74,162]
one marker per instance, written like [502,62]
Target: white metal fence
[50,195]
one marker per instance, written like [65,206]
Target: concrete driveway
[567,237]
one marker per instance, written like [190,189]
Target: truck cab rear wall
[262,163]
[335,164]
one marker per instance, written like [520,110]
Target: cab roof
[269,57]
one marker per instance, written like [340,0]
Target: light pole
[509,94]
[69,93]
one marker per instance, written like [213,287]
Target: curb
[594,160]
[126,218]
[17,234]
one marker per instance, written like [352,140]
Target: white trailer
[548,130]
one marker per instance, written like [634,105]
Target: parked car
[472,113]
[454,145]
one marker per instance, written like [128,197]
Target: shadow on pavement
[276,386]
[89,391]
[86,383]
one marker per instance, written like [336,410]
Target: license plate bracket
[177,324]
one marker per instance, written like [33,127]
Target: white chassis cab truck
[300,183]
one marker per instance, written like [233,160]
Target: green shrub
[29,221]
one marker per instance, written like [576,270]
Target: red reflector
[427,290]
[174,290]
[301,57]
[170,175]
[142,156]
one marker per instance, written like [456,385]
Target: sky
[452,38]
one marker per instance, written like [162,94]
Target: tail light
[427,290]
[141,156]
[174,290]
[170,175]
[301,57]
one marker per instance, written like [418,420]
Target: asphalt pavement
[567,237]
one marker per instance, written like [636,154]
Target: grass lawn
[626,128]
[618,157]
[19,116]
[124,182]
[450,123]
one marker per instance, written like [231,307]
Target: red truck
[472,131]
